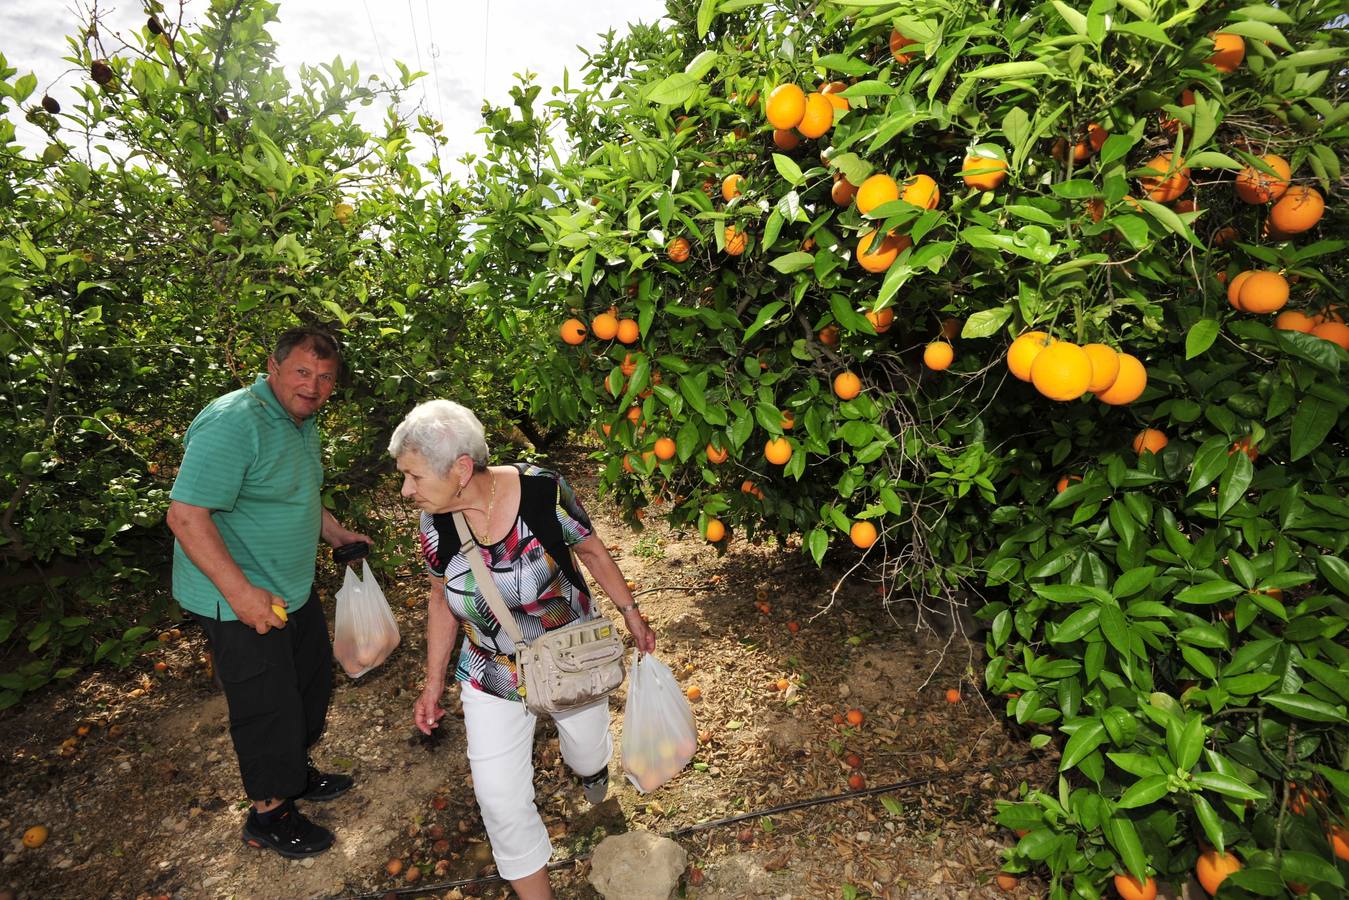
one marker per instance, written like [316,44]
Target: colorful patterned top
[538,591]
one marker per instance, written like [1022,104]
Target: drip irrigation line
[716,823]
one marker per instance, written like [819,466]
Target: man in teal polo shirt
[247,515]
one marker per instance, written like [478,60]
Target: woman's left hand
[642,635]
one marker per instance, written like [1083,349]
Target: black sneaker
[287,832]
[325,785]
[596,787]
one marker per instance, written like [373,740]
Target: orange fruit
[1150,440]
[952,695]
[1007,882]
[983,172]
[832,90]
[786,106]
[1164,188]
[678,250]
[950,328]
[794,626]
[828,335]
[1333,331]
[35,837]
[1263,292]
[1104,366]
[1065,481]
[1061,371]
[1244,445]
[881,319]
[628,332]
[628,366]
[1225,235]
[1129,384]
[1339,841]
[782,684]
[1299,209]
[1096,209]
[1170,125]
[736,240]
[393,867]
[847,385]
[634,414]
[883,256]
[717,455]
[855,717]
[665,448]
[715,530]
[604,326]
[843,191]
[573,331]
[1129,888]
[1081,151]
[777,451]
[785,139]
[938,355]
[1023,351]
[1096,136]
[863,534]
[921,191]
[788,420]
[1213,868]
[897,43]
[1292,320]
[1234,289]
[730,187]
[1228,51]
[876,190]
[818,118]
[857,781]
[694,693]
[1255,187]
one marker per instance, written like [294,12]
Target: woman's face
[428,490]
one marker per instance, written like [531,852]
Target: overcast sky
[474,47]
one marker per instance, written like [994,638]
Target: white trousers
[501,757]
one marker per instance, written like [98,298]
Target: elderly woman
[514,513]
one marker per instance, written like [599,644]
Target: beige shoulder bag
[560,669]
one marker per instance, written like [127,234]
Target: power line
[378,50]
[434,51]
[486,26]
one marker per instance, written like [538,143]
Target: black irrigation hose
[703,826]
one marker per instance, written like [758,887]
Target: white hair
[441,431]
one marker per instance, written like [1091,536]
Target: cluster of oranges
[1263,291]
[1063,371]
[605,327]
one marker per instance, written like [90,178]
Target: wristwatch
[626,609]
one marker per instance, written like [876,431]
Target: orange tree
[782,273]
[193,201]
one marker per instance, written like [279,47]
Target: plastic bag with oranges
[659,734]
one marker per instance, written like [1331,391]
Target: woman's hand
[427,710]
[642,635]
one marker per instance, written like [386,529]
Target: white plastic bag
[365,633]
[659,735]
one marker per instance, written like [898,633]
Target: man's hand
[427,710]
[253,606]
[335,534]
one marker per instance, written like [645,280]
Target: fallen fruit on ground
[855,717]
[952,695]
[35,837]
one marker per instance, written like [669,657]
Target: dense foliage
[1171,621]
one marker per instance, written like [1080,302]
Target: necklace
[491,502]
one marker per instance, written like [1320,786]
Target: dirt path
[148,803]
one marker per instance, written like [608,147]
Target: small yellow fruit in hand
[280,611]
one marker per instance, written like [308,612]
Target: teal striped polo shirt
[260,474]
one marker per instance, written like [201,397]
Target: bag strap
[540,493]
[485,583]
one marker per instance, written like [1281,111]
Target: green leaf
[1147,30]
[817,542]
[793,262]
[985,322]
[1212,159]
[765,314]
[1085,740]
[1305,707]
[1076,20]
[1311,423]
[848,65]
[1260,31]
[1123,836]
[707,11]
[1191,743]
[1141,793]
[1209,592]
[701,64]
[1200,337]
[788,169]
[1226,785]
[1208,819]
[1235,480]
[1003,71]
[1080,623]
[1309,868]
[1210,460]
[1336,571]
[1331,677]
[674,89]
[1133,581]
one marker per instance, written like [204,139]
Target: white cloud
[472,46]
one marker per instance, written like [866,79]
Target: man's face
[302,381]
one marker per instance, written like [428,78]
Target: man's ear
[272,367]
